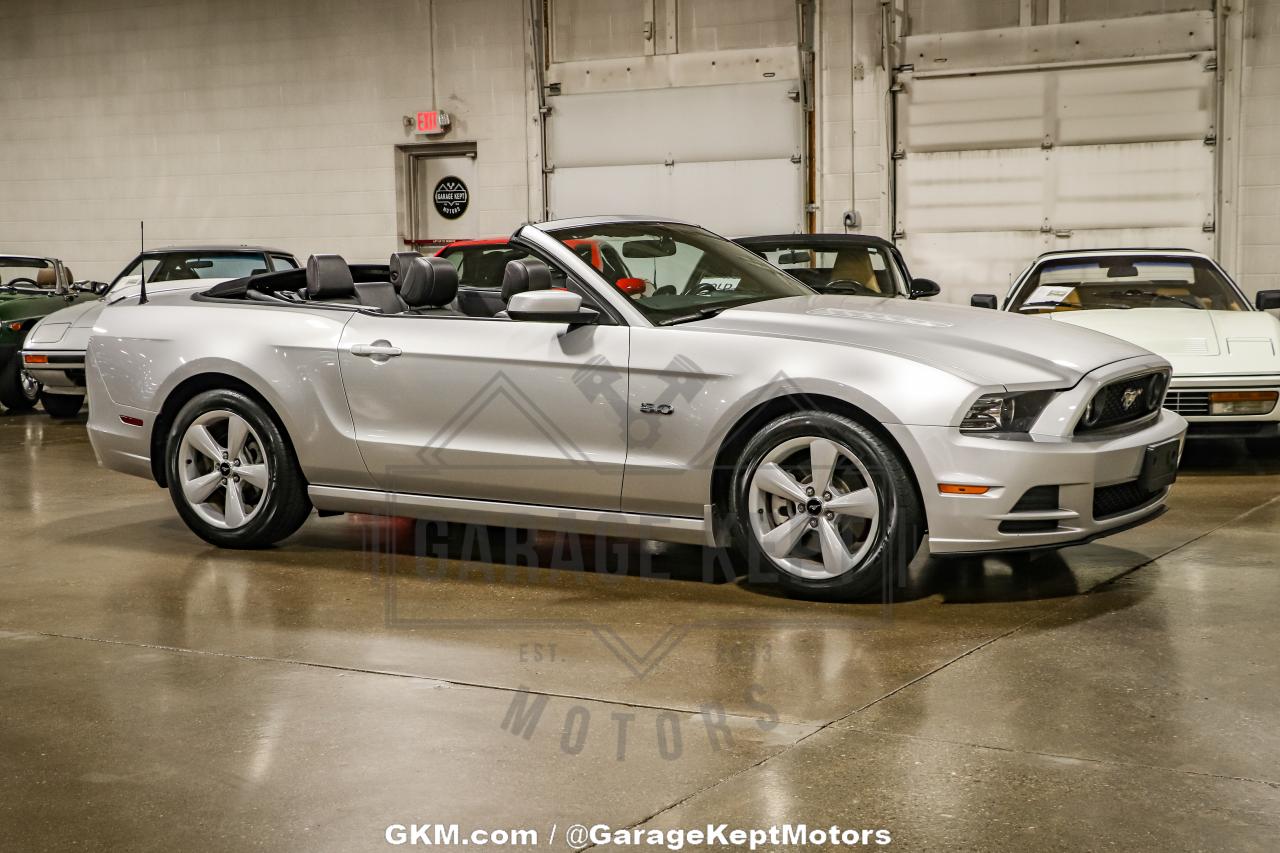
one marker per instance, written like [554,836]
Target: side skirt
[690,531]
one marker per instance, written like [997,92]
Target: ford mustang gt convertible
[1180,304]
[820,436]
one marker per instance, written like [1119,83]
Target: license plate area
[1160,465]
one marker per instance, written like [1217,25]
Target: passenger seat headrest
[523,275]
[399,263]
[329,277]
[428,282]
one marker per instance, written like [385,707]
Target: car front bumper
[63,373]
[1188,396]
[1092,485]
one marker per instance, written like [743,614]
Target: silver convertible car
[725,403]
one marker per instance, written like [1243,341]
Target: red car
[481,264]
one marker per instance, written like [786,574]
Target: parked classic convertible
[821,436]
[1183,306]
[30,288]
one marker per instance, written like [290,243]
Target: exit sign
[433,121]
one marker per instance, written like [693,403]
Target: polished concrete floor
[159,694]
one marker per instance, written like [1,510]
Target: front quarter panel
[139,354]
[711,379]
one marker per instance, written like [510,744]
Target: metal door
[497,410]
[427,172]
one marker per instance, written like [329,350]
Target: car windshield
[860,269]
[176,266]
[687,273]
[1122,282]
[26,272]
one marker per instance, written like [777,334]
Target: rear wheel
[61,405]
[232,474]
[19,391]
[827,504]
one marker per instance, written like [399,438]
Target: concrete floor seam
[817,724]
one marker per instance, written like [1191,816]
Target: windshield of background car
[25,272]
[482,265]
[686,271]
[1120,282]
[861,270]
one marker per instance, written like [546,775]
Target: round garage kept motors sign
[451,197]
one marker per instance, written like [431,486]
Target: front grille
[1109,501]
[1107,408]
[1188,402]
[1036,499]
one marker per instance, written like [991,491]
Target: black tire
[886,549]
[61,405]
[282,506]
[1266,447]
[15,395]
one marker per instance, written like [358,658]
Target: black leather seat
[399,263]
[428,285]
[329,280]
[522,276]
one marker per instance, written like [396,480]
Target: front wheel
[61,405]
[19,390]
[232,474]
[827,504]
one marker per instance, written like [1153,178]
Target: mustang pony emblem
[1130,397]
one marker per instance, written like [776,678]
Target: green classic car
[30,288]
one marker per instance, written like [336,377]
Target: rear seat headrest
[428,282]
[399,263]
[329,277]
[522,275]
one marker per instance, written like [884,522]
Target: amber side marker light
[15,326]
[1242,402]
[960,489]
[35,359]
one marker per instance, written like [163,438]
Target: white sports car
[1179,304]
[53,353]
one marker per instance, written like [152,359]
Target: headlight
[1005,412]
[1242,402]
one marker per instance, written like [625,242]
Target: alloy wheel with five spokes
[223,469]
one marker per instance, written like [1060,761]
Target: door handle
[378,350]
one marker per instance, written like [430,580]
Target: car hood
[69,328]
[982,346]
[1195,342]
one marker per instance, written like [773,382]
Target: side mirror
[922,288]
[984,300]
[1268,300]
[550,306]
[630,286]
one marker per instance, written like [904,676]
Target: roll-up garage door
[729,156]
[995,166]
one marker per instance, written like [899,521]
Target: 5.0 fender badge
[656,409]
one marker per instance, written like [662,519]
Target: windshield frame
[1018,293]
[551,238]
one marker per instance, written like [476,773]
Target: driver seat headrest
[46,277]
[400,262]
[329,277]
[428,282]
[523,275]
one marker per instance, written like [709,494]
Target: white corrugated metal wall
[1012,142]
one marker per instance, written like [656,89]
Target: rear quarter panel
[139,354]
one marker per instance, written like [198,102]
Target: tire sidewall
[282,468]
[57,410]
[12,395]
[897,523]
